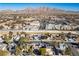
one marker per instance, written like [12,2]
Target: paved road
[50,41]
[41,31]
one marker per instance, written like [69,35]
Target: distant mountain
[7,11]
[40,10]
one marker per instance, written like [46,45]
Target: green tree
[7,39]
[43,51]
[23,40]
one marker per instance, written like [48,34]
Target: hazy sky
[16,6]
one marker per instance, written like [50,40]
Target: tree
[1,27]
[68,51]
[10,34]
[7,38]
[30,50]
[48,34]
[62,35]
[18,50]
[13,26]
[23,40]
[42,51]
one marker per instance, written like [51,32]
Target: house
[49,51]
[35,23]
[66,27]
[34,28]
[62,46]
[58,26]
[1,40]
[16,37]
[48,26]
[3,46]
[71,40]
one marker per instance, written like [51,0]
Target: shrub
[3,53]
[18,50]
[68,51]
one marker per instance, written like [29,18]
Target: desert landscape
[39,30]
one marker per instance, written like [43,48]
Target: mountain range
[39,10]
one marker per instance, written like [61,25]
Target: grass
[3,53]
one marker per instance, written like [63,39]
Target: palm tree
[10,34]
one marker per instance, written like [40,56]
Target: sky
[17,6]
